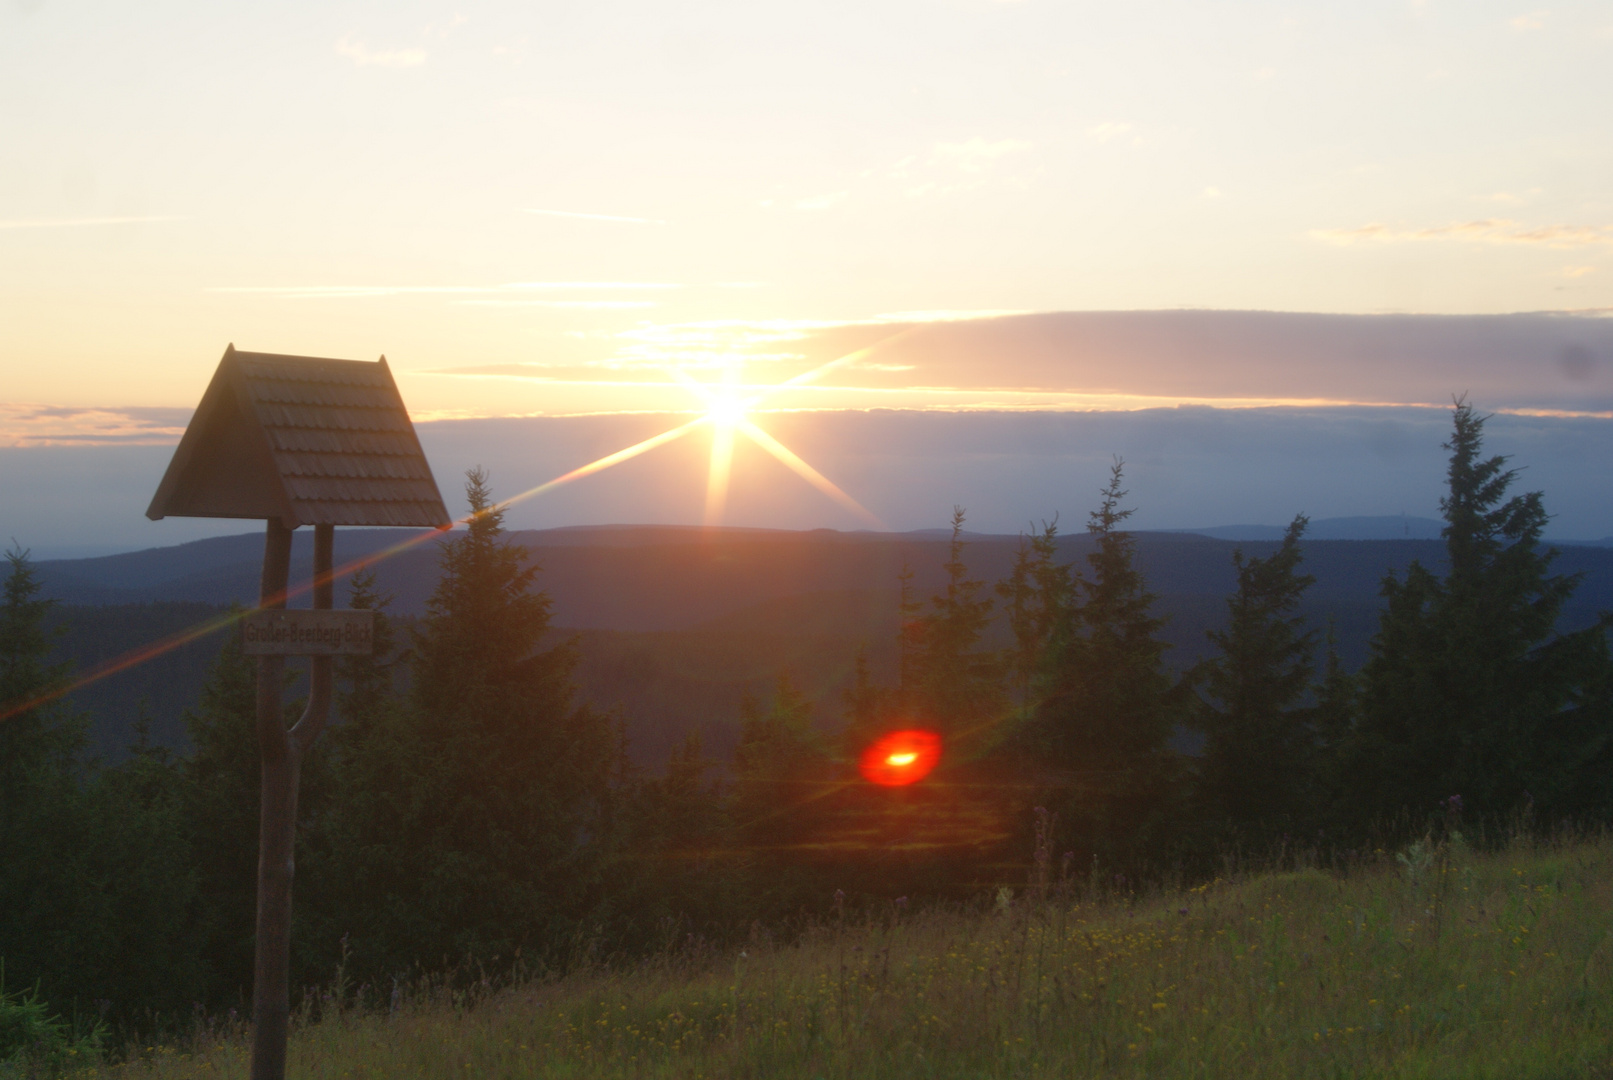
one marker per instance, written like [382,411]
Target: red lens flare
[900,758]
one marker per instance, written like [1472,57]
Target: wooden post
[281,753]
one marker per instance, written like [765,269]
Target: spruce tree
[507,819]
[958,683]
[352,880]
[783,800]
[96,897]
[1108,707]
[1035,595]
[39,736]
[780,768]
[44,826]
[1259,763]
[1470,689]
[221,779]
[681,853]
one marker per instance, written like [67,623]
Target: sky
[546,210]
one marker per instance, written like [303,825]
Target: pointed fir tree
[43,823]
[508,818]
[1107,707]
[1036,595]
[958,683]
[680,868]
[95,893]
[349,875]
[1258,769]
[779,768]
[39,736]
[781,802]
[1470,689]
[221,797]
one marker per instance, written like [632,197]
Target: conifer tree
[1259,761]
[95,893]
[42,819]
[679,867]
[958,683]
[1470,689]
[1108,707]
[1035,594]
[351,878]
[781,802]
[38,742]
[508,812]
[778,768]
[221,780]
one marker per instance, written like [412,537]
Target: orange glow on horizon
[900,758]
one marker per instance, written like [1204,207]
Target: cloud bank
[1550,363]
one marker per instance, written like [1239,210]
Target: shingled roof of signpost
[304,439]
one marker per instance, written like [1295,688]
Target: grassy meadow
[1428,962]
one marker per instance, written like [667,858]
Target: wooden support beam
[281,752]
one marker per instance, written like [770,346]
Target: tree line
[467,814]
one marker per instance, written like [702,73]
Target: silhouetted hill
[1397,527]
[678,624]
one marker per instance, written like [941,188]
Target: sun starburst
[728,404]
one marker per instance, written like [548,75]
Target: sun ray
[150,652]
[839,361]
[726,415]
[812,476]
[722,460]
[607,461]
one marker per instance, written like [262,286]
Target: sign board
[330,632]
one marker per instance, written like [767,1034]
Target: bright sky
[610,187]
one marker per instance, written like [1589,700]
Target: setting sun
[727,410]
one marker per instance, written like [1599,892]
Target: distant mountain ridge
[676,626]
[1382,527]
[1393,527]
[652,578]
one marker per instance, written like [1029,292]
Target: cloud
[1107,130]
[1482,231]
[1131,360]
[952,167]
[364,56]
[350,292]
[822,202]
[591,285]
[590,304]
[596,217]
[73,223]
[976,155]
[1577,271]
[23,425]
[1534,20]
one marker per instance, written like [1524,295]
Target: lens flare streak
[812,476]
[726,416]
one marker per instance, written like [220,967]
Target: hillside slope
[1433,963]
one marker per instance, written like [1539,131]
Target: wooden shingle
[304,439]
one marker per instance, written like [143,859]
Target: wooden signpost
[307,633]
[296,440]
